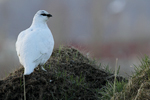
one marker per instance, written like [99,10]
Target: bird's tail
[28,69]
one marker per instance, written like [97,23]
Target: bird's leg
[41,68]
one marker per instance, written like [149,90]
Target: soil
[69,76]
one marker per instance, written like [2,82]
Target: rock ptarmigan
[34,45]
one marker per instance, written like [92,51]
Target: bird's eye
[44,14]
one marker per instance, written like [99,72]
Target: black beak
[48,15]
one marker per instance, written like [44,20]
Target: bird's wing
[45,44]
[19,41]
[35,44]
[45,41]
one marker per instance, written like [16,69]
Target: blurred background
[102,29]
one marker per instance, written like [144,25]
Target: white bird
[34,45]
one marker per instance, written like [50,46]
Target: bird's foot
[42,68]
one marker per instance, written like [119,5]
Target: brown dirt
[74,77]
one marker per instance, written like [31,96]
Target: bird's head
[42,15]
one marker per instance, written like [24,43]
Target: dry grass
[138,87]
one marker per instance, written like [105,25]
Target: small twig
[115,78]
[24,87]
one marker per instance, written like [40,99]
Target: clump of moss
[69,76]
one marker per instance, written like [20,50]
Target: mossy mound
[138,87]
[69,76]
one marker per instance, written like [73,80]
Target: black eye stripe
[48,15]
[44,14]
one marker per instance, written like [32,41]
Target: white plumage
[34,45]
